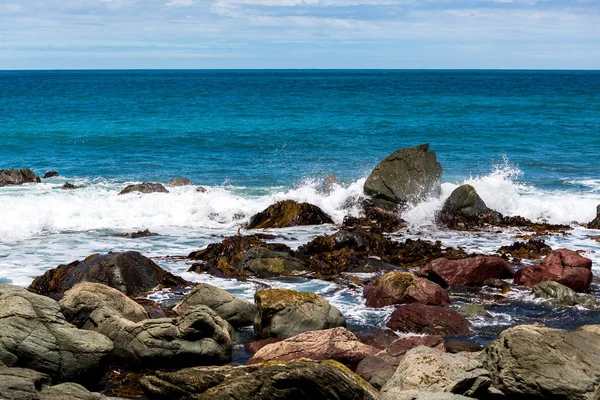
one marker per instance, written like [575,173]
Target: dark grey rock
[146,187]
[182,181]
[464,208]
[9,177]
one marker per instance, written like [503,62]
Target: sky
[394,34]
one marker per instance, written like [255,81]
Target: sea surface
[528,141]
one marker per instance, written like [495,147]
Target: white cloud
[180,3]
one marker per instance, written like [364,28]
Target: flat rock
[289,213]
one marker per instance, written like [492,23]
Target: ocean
[528,141]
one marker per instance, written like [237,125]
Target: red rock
[402,288]
[431,320]
[380,338]
[564,266]
[400,346]
[337,344]
[472,271]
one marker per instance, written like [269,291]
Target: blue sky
[82,34]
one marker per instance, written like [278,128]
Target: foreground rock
[35,334]
[405,176]
[464,209]
[337,344]
[472,271]
[182,181]
[198,337]
[236,311]
[404,287]
[532,361]
[564,266]
[10,177]
[286,313]
[130,272]
[266,263]
[146,187]
[560,295]
[430,320]
[289,213]
[302,380]
[430,370]
[595,224]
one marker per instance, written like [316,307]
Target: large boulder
[266,263]
[10,177]
[535,362]
[337,344]
[472,271]
[146,187]
[236,311]
[182,181]
[278,380]
[404,287]
[595,224]
[564,266]
[465,209]
[430,370]
[130,272]
[288,213]
[35,334]
[430,320]
[560,295]
[405,176]
[286,313]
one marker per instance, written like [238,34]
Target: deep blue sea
[529,142]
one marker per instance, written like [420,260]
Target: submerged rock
[266,263]
[286,313]
[9,177]
[130,272]
[595,224]
[50,174]
[278,380]
[464,209]
[472,271]
[289,213]
[404,287]
[146,187]
[430,320]
[138,234]
[182,181]
[406,176]
[69,186]
[561,295]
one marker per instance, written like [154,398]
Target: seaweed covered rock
[564,266]
[35,334]
[472,271]
[530,250]
[288,213]
[402,288]
[430,320]
[145,187]
[236,311]
[464,209]
[278,380]
[182,181]
[560,295]
[286,313]
[337,344]
[266,263]
[375,219]
[130,272]
[536,362]
[406,176]
[10,177]
[595,223]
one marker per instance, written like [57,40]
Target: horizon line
[299,69]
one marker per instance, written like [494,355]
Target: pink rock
[472,271]
[402,288]
[431,320]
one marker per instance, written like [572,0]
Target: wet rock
[375,219]
[69,186]
[564,266]
[454,346]
[595,224]
[289,213]
[138,234]
[50,174]
[472,271]
[279,380]
[530,250]
[464,209]
[35,334]
[286,313]
[405,176]
[146,187]
[431,320]
[236,311]
[402,288]
[130,272]
[337,344]
[561,295]
[182,181]
[532,361]
[431,370]
[497,284]
[265,263]
[10,177]
[329,183]
[471,311]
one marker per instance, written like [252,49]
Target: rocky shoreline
[87,329]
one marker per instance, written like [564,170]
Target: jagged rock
[50,174]
[535,362]
[236,311]
[130,272]
[472,271]
[464,209]
[286,313]
[560,295]
[430,370]
[431,320]
[9,177]
[595,224]
[288,213]
[180,182]
[406,176]
[35,334]
[404,287]
[530,250]
[564,266]
[265,263]
[278,380]
[337,344]
[471,311]
[146,187]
